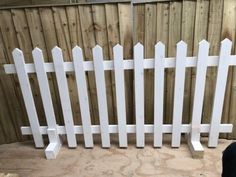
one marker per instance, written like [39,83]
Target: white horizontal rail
[148,128]
[128,64]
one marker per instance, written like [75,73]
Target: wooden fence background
[108,24]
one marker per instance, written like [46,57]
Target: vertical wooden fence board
[62,31]
[101,37]
[83,95]
[181,53]
[200,33]
[101,93]
[187,35]
[64,96]
[49,33]
[159,82]
[139,23]
[222,73]
[87,29]
[174,37]
[120,94]
[25,44]
[228,31]
[28,97]
[126,40]
[199,90]
[139,94]
[112,26]
[150,41]
[37,38]
[213,37]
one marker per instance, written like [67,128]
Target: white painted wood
[120,94]
[19,61]
[221,80]
[159,93]
[148,128]
[181,53]
[83,95]
[101,94]
[128,64]
[139,94]
[46,96]
[64,96]
[199,90]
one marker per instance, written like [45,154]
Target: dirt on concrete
[26,161]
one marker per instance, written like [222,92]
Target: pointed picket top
[76,49]
[97,48]
[37,51]
[204,43]
[118,47]
[138,46]
[181,44]
[227,43]
[160,45]
[56,49]
[17,52]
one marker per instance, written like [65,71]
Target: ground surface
[25,160]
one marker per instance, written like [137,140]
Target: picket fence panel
[118,66]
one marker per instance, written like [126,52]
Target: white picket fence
[138,64]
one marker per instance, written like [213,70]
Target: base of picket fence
[52,150]
[195,147]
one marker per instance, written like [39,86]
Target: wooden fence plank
[83,95]
[181,53]
[159,93]
[120,94]
[126,40]
[101,37]
[25,44]
[37,38]
[187,35]
[87,28]
[221,79]
[28,97]
[64,96]
[150,41]
[213,37]
[62,31]
[139,94]
[139,23]
[174,37]
[112,26]
[228,31]
[101,93]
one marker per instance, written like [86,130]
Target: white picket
[120,94]
[221,80]
[199,90]
[159,93]
[101,94]
[181,53]
[19,61]
[83,95]
[139,94]
[64,96]
[47,103]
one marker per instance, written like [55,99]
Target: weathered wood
[101,38]
[213,37]
[150,41]
[228,31]
[87,29]
[174,37]
[139,20]
[126,40]
[187,35]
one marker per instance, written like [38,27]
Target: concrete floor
[25,160]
